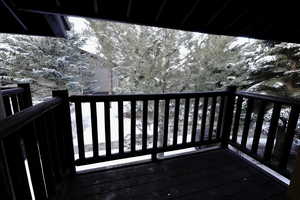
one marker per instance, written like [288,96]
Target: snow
[81,25]
[266,59]
[240,41]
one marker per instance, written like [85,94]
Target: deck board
[217,174]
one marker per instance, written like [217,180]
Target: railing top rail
[12,91]
[273,99]
[14,122]
[129,97]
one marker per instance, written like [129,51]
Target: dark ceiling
[268,20]
[29,23]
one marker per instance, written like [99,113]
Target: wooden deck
[212,175]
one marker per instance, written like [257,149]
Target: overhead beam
[14,15]
[129,9]
[160,10]
[57,25]
[187,16]
[218,12]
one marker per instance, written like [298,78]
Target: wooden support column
[25,99]
[294,187]
[228,115]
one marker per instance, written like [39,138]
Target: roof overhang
[268,20]
[30,23]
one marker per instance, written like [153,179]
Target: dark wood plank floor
[212,175]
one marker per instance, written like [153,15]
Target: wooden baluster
[220,117]
[107,128]
[25,99]
[186,120]
[272,132]
[212,118]
[289,137]
[94,128]
[15,160]
[176,116]
[133,126]
[79,127]
[258,127]
[155,129]
[121,126]
[247,123]
[14,103]
[34,158]
[203,119]
[56,145]
[7,106]
[237,118]
[166,123]
[145,121]
[6,185]
[195,119]
[46,153]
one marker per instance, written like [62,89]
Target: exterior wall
[103,79]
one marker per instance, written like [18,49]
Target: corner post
[66,130]
[228,115]
[26,100]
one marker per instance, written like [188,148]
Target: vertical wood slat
[79,127]
[33,156]
[107,128]
[237,118]
[133,126]
[56,145]
[289,137]
[258,127]
[247,123]
[186,120]
[272,132]
[7,106]
[14,102]
[155,128]
[176,117]
[7,190]
[166,123]
[25,99]
[212,118]
[145,122]
[15,161]
[94,124]
[220,117]
[203,119]
[121,126]
[195,119]
[46,152]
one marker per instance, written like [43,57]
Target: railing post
[26,99]
[228,115]
[66,131]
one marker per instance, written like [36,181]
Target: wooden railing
[273,150]
[162,111]
[16,99]
[40,136]
[35,147]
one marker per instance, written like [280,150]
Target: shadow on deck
[217,174]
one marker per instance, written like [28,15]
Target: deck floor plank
[216,175]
